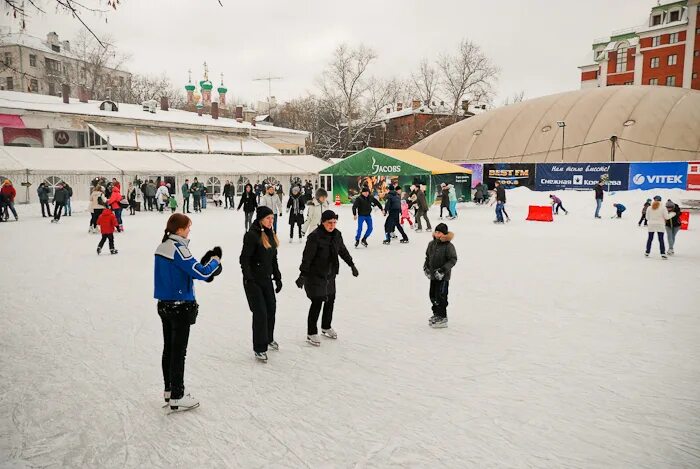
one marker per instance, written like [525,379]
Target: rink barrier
[540,213]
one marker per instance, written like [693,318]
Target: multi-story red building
[664,51]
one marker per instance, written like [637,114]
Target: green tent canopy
[376,168]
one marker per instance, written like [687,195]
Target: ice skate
[387,242]
[428,230]
[394,235]
[186,402]
[440,323]
[113,251]
[418,230]
[670,252]
[646,254]
[330,333]
[99,250]
[364,242]
[432,320]
[664,256]
[166,398]
[261,356]
[291,240]
[273,346]
[404,241]
[313,340]
[357,243]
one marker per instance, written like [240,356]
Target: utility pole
[269,80]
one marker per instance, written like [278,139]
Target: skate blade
[315,344]
[329,336]
[182,409]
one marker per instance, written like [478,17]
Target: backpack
[124,203]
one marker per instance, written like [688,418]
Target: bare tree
[517,97]
[468,75]
[425,83]
[100,61]
[148,87]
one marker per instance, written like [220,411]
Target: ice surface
[565,348]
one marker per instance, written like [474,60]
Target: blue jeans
[453,207]
[598,204]
[661,242]
[361,220]
[68,210]
[118,214]
[499,212]
[204,201]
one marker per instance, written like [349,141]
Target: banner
[694,176]
[477,172]
[510,175]
[666,175]
[461,182]
[578,176]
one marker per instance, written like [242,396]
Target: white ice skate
[166,398]
[273,346]
[440,323]
[262,356]
[330,333]
[186,402]
[313,340]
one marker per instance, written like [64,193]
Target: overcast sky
[536,43]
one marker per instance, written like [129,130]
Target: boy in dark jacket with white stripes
[440,258]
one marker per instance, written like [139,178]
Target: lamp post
[562,125]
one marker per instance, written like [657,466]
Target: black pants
[392,222]
[248,219]
[185,204]
[132,208]
[45,203]
[106,237]
[557,207]
[422,214]
[327,302]
[93,217]
[263,305]
[438,297]
[57,211]
[449,212]
[228,200]
[176,333]
[291,230]
[662,246]
[643,219]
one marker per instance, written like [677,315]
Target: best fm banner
[557,176]
[665,175]
[510,175]
[694,176]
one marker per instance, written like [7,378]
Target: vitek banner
[666,175]
[558,176]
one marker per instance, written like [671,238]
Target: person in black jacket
[598,198]
[673,225]
[295,208]
[500,203]
[445,200]
[362,211]
[259,266]
[43,192]
[249,202]
[59,199]
[68,210]
[319,267]
[392,209]
[440,258]
[421,209]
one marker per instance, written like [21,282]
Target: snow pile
[565,348]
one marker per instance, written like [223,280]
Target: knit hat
[328,215]
[657,198]
[262,212]
[669,203]
[391,187]
[442,228]
[648,201]
[295,190]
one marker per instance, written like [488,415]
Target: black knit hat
[391,187]
[262,212]
[442,228]
[328,215]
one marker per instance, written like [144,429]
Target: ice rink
[566,347]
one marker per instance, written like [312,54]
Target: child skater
[108,223]
[620,208]
[440,258]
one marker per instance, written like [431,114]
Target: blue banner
[558,176]
[665,175]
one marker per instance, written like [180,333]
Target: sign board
[510,175]
[662,175]
[694,176]
[477,172]
[61,137]
[579,176]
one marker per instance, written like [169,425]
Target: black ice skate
[113,251]
[364,242]
[440,323]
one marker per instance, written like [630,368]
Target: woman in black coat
[249,203]
[319,267]
[259,265]
[295,208]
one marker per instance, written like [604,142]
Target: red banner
[694,175]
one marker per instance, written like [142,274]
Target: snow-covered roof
[33,42]
[407,111]
[39,102]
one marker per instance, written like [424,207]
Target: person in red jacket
[8,194]
[113,203]
[108,223]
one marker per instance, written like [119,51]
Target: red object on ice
[337,200]
[685,219]
[540,213]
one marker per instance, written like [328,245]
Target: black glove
[355,272]
[427,273]
[300,281]
[216,252]
[278,285]
[216,273]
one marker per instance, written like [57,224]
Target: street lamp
[562,125]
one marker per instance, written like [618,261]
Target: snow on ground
[565,348]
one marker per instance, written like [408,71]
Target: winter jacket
[442,256]
[132,195]
[656,218]
[445,197]
[620,208]
[556,200]
[313,215]
[114,199]
[69,190]
[320,264]
[162,195]
[644,209]
[295,207]
[151,189]
[501,194]
[172,202]
[363,205]
[676,219]
[175,268]
[248,201]
[9,193]
[43,193]
[229,190]
[185,191]
[60,196]
[404,209]
[393,202]
[259,264]
[452,194]
[421,200]
[598,191]
[107,221]
[273,202]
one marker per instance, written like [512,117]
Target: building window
[240,184]
[656,20]
[672,59]
[621,58]
[695,75]
[653,81]
[52,66]
[8,58]
[674,16]
[32,60]
[655,41]
[34,85]
[9,84]
[213,185]
[697,53]
[654,63]
[56,48]
[52,88]
[673,38]
[671,81]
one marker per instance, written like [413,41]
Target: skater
[43,192]
[657,217]
[392,210]
[619,210]
[216,198]
[673,225]
[97,203]
[445,200]
[598,198]
[556,204]
[644,213]
[315,209]
[279,191]
[421,209]
[229,192]
[273,202]
[186,196]
[174,271]
[319,267]
[195,193]
[405,214]
[452,196]
[258,191]
[259,266]
[203,196]
[108,223]
[172,203]
[151,190]
[144,193]
[8,195]
[162,196]
[131,195]
[68,210]
[362,211]
[500,203]
[440,258]
[59,200]
[295,208]
[114,202]
[249,203]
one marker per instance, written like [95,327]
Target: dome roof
[222,89]
[206,85]
[652,123]
[190,87]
